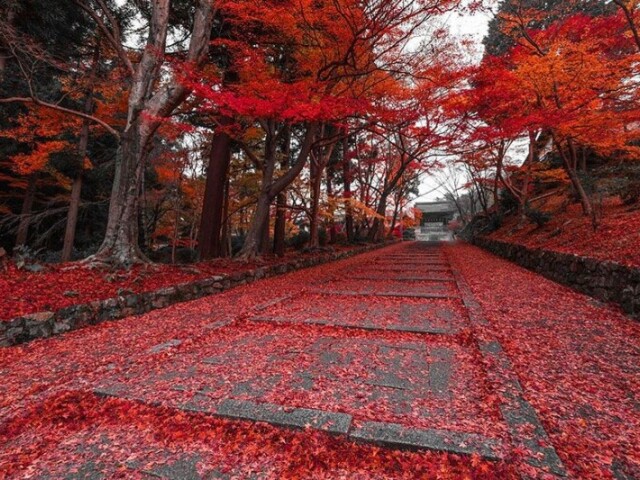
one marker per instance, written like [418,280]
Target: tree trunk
[210,244]
[25,214]
[346,176]
[4,50]
[253,239]
[226,224]
[120,245]
[149,101]
[570,162]
[316,181]
[265,245]
[271,188]
[280,227]
[377,229]
[72,218]
[332,223]
[76,189]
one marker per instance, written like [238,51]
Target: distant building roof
[443,206]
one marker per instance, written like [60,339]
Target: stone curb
[47,324]
[604,280]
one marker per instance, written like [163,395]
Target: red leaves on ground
[576,359]
[51,424]
[616,238]
[60,286]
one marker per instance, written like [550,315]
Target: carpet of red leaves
[51,425]
[578,361]
[63,285]
[79,434]
[616,239]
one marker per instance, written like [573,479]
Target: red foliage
[616,238]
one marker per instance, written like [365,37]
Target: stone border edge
[603,280]
[47,324]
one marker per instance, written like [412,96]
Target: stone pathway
[393,352]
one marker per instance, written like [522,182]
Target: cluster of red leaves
[616,238]
[48,421]
[576,359]
[63,285]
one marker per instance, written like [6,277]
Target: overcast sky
[476,27]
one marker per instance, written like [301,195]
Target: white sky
[475,27]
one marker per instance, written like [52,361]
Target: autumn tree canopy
[235,127]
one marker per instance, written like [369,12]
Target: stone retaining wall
[46,324]
[605,280]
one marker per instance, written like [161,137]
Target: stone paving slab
[409,263]
[398,436]
[408,268]
[390,286]
[331,422]
[319,381]
[398,294]
[401,314]
[427,329]
[526,431]
[403,278]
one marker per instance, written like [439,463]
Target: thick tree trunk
[120,245]
[280,227]
[149,101]
[332,223]
[271,188]
[265,244]
[253,239]
[226,224]
[25,214]
[210,244]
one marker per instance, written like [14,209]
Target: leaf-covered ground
[62,285]
[280,341]
[616,239]
[578,360]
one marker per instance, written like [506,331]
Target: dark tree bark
[271,188]
[332,224]
[25,213]
[225,248]
[76,189]
[211,242]
[346,178]
[280,227]
[279,231]
[319,165]
[72,218]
